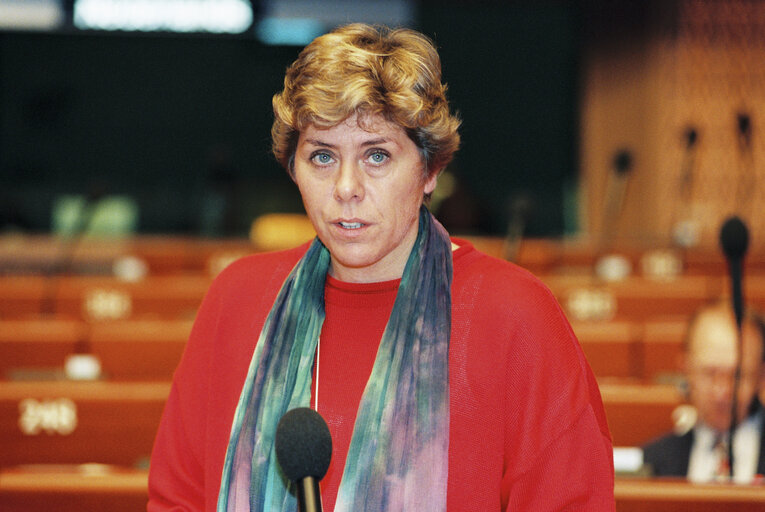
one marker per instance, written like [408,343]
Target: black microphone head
[734,238]
[623,161]
[744,123]
[303,444]
[691,136]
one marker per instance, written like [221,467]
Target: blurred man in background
[710,358]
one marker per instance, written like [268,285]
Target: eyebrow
[371,142]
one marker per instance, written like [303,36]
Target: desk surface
[676,495]
[632,494]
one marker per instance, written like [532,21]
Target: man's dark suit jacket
[669,455]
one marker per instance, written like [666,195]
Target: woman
[449,379]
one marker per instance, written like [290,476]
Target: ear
[291,168]
[431,181]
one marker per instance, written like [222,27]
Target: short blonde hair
[367,70]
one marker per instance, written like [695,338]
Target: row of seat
[162,255]
[73,488]
[631,332]
[151,348]
[126,350]
[177,254]
[79,488]
[99,298]
[115,423]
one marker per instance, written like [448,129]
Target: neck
[368,275]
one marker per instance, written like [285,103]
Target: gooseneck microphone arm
[734,240]
[614,196]
[309,495]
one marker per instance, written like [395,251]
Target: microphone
[744,129]
[734,240]
[609,265]
[685,231]
[64,261]
[691,136]
[304,450]
[747,179]
[520,209]
[616,190]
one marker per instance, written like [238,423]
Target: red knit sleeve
[572,473]
[191,442]
[558,449]
[176,475]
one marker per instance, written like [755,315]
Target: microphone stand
[308,495]
[64,262]
[737,296]
[734,401]
[734,238]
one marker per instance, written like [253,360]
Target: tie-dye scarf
[398,457]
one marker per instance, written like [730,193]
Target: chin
[353,259]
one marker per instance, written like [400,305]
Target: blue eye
[378,157]
[321,158]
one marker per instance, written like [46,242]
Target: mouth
[350,225]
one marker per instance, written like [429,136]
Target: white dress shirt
[704,459]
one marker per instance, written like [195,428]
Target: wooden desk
[638,413]
[612,348]
[169,254]
[100,298]
[662,346]
[73,489]
[94,298]
[23,295]
[148,349]
[78,488]
[643,351]
[139,349]
[79,422]
[634,299]
[36,344]
[655,495]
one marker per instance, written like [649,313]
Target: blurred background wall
[624,119]
[681,85]
[180,122]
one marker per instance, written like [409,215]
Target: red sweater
[527,427]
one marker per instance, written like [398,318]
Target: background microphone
[304,450]
[520,209]
[685,230]
[690,136]
[615,194]
[747,175]
[64,263]
[744,129]
[734,240]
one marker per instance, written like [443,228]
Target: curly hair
[367,70]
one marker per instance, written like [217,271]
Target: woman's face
[362,189]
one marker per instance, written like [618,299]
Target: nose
[349,185]
[722,385]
